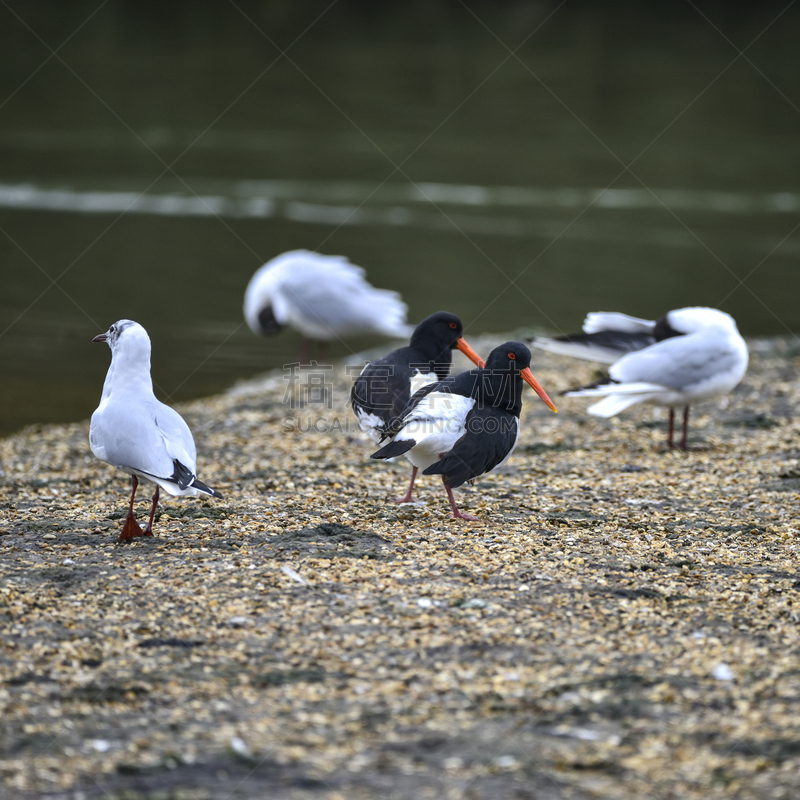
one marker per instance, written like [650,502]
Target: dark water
[517,163]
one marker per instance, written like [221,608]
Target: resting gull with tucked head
[323,297]
[687,356]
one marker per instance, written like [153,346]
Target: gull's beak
[101,337]
[527,376]
[470,353]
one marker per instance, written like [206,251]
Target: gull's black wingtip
[196,484]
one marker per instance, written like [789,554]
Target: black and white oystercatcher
[323,297]
[466,425]
[689,355]
[135,432]
[382,390]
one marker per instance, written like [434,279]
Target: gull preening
[687,356]
[135,432]
[382,390]
[465,425]
[323,297]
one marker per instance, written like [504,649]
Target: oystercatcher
[466,425]
[382,390]
[323,297]
[135,432]
[689,355]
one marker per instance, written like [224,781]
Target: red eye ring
[512,356]
[453,325]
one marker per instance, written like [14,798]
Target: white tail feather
[612,405]
[617,396]
[597,321]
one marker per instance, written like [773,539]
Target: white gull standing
[687,356]
[135,432]
[323,297]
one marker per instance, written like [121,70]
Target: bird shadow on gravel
[327,540]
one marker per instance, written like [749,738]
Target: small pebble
[722,672]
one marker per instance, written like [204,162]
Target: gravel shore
[622,623]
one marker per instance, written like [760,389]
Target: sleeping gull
[323,297]
[135,432]
[689,355]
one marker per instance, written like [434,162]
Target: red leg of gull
[131,527]
[685,428]
[305,351]
[148,531]
[407,497]
[456,513]
[671,428]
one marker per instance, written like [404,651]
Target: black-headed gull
[382,390]
[135,432]
[323,297]
[689,355]
[465,425]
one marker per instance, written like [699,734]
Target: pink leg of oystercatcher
[407,496]
[456,513]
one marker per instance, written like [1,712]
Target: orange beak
[471,354]
[527,376]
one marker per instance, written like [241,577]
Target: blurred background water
[518,163]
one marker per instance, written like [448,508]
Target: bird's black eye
[512,356]
[453,325]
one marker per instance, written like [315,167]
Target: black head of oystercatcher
[382,390]
[689,355]
[466,425]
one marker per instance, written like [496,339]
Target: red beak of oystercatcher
[527,376]
[474,357]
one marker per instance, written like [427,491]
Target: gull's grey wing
[177,437]
[680,362]
[143,437]
[333,296]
